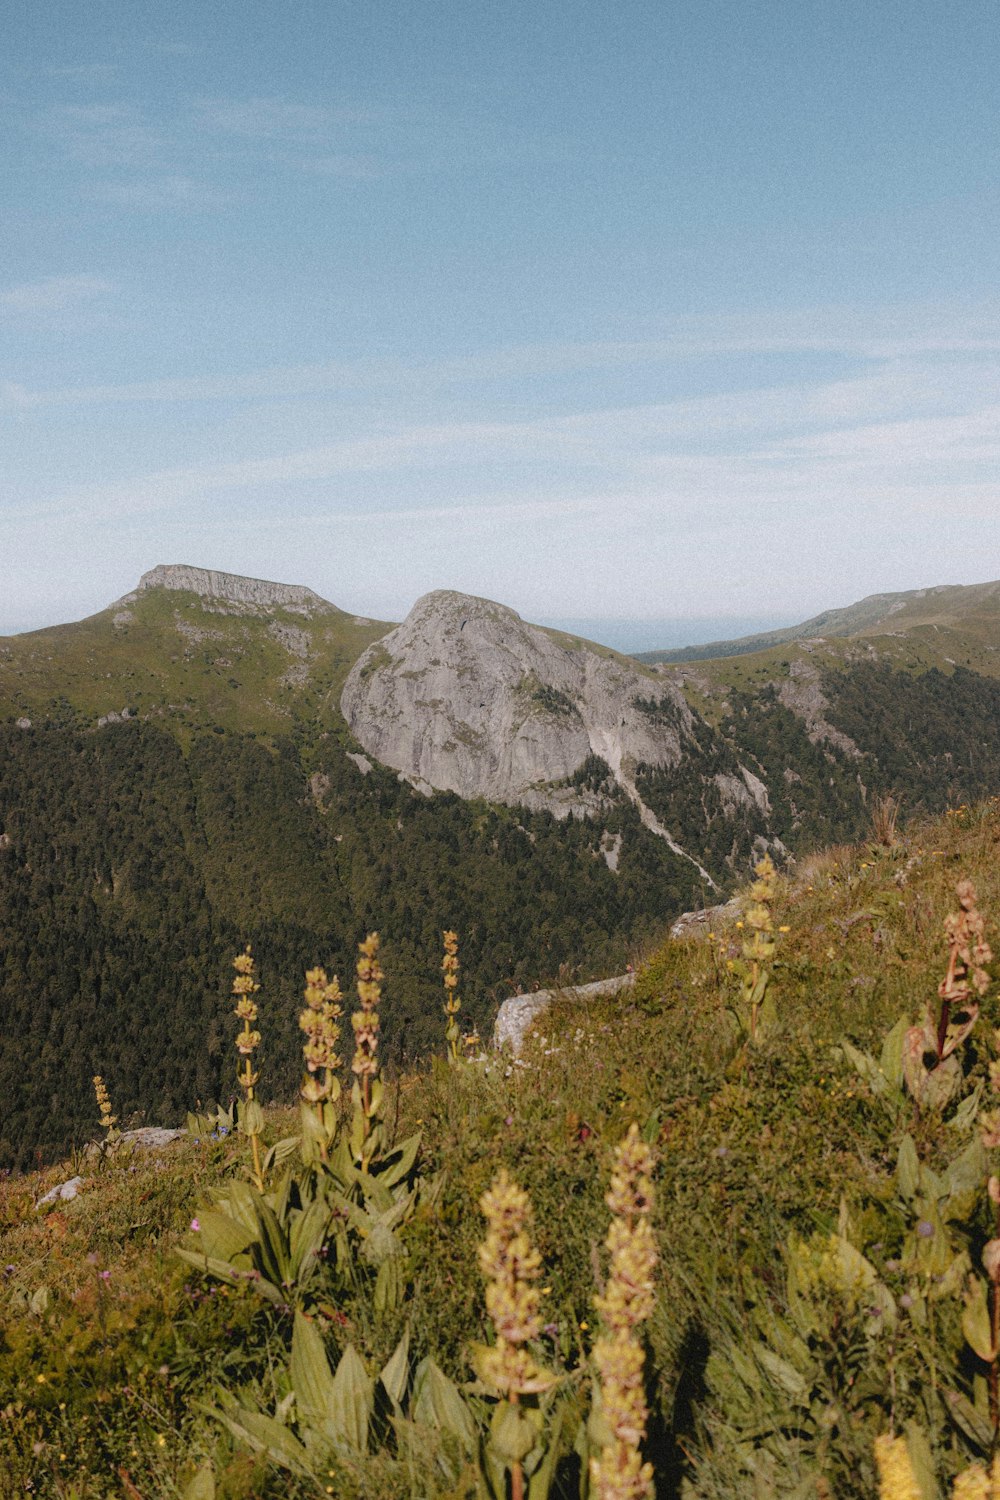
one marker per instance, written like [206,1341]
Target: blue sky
[644,310]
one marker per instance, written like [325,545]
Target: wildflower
[618,1473]
[976,1483]
[452,1004]
[108,1120]
[753,968]
[367,1090]
[245,987]
[195,1225]
[511,1266]
[319,1022]
[896,1479]
[366,1020]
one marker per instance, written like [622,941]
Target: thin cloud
[162,194]
[52,294]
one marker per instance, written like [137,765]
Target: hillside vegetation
[816,1072]
[176,776]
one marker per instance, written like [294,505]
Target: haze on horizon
[632,313]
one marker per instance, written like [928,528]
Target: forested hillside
[231,804]
[130,874]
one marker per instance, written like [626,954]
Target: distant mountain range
[215,759]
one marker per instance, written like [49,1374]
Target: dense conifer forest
[131,872]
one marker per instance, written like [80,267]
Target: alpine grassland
[734,1232]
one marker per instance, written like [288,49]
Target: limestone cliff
[466,697]
[231,591]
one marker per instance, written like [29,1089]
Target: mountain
[176,779]
[190,647]
[946,607]
[214,760]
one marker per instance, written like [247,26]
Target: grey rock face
[231,589]
[465,697]
[64,1193]
[519,1013]
[802,694]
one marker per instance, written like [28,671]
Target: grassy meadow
[414,1285]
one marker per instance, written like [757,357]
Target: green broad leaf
[309,1373]
[201,1486]
[381,1244]
[438,1403]
[512,1433]
[390,1284]
[976,1324]
[352,1402]
[280,1152]
[222,1270]
[922,1461]
[315,1138]
[542,1478]
[357,1132]
[39,1301]
[786,1375]
[964,1117]
[867,1068]
[395,1375]
[222,1236]
[240,1200]
[964,1180]
[973,1423]
[275,1261]
[306,1239]
[891,1060]
[398,1164]
[376,1094]
[907,1169]
[251,1118]
[265,1435]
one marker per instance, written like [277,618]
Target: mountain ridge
[867,616]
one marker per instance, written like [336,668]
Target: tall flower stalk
[618,1472]
[452,1004]
[753,969]
[932,1067]
[108,1120]
[245,987]
[511,1267]
[367,1090]
[320,1089]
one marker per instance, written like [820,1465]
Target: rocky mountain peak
[465,696]
[230,592]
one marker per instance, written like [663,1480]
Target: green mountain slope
[175,654]
[820,1235]
[971,611]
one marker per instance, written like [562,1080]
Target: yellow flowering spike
[366,1026]
[618,1472]
[976,1483]
[244,988]
[511,1266]
[452,1004]
[108,1120]
[319,1022]
[896,1479]
[754,968]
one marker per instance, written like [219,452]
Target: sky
[669,312]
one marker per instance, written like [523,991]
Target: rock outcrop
[466,697]
[230,589]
